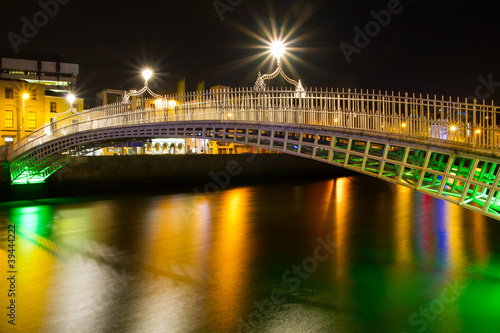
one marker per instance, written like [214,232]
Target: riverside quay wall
[178,173]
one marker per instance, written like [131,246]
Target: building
[33,88]
[109,96]
[39,68]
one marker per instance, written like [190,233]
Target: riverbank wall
[166,173]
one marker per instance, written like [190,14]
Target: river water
[343,255]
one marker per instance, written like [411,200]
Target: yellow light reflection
[456,253]
[34,261]
[402,209]
[230,257]
[344,198]
[173,262]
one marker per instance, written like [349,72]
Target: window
[53,107]
[9,93]
[9,119]
[31,119]
[75,107]
[33,95]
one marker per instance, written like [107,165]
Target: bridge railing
[468,124]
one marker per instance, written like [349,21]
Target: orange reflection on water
[230,256]
[344,198]
[454,224]
[170,244]
[403,217]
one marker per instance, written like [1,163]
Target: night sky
[433,47]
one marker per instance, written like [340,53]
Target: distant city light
[172,104]
[403,125]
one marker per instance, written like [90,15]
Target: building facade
[32,90]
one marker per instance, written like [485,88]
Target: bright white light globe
[71,98]
[278,49]
[146,74]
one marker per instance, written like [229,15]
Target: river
[342,255]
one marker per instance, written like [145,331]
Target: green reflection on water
[33,222]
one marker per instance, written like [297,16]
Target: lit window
[9,93]
[53,107]
[9,119]
[31,119]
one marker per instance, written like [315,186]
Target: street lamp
[70,98]
[25,97]
[278,49]
[146,74]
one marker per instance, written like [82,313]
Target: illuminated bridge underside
[465,178]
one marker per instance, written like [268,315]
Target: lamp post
[146,74]
[278,49]
[70,98]
[25,97]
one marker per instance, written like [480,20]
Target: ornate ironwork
[260,85]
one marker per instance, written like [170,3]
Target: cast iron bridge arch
[444,148]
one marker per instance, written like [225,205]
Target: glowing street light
[146,74]
[172,104]
[71,99]
[25,96]
[453,128]
[278,49]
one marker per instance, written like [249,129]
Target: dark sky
[433,47]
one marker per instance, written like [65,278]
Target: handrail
[463,123]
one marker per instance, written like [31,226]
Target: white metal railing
[463,123]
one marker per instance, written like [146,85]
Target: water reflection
[232,249]
[195,263]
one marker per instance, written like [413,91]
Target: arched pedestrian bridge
[445,148]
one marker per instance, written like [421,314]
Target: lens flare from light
[278,49]
[147,73]
[71,98]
